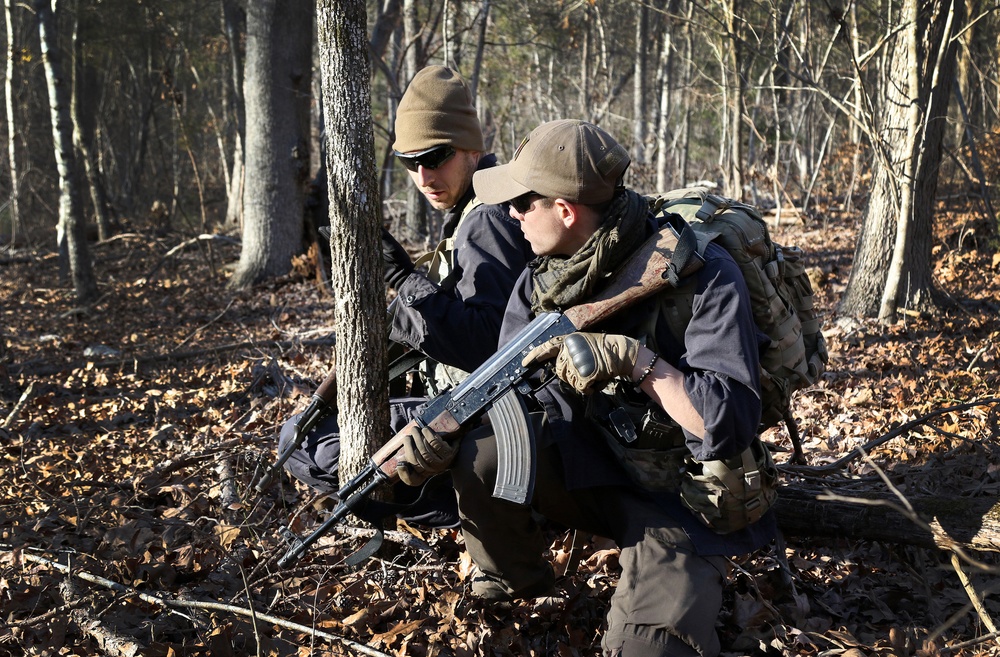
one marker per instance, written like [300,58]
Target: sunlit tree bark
[893,259]
[277,93]
[355,217]
[74,256]
[15,217]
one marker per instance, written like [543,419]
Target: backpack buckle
[712,205]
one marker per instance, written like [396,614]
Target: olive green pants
[667,599]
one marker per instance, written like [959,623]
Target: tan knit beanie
[435,110]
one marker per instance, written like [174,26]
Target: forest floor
[131,429]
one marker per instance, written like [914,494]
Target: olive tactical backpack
[780,293]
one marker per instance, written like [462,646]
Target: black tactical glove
[397,261]
[425,454]
[586,359]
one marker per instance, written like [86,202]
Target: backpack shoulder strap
[441,261]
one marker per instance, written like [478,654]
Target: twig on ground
[197,604]
[859,452]
[25,396]
[52,613]
[971,642]
[183,245]
[205,325]
[974,598]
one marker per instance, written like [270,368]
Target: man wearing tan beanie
[451,301]
[452,312]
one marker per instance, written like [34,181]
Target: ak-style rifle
[498,387]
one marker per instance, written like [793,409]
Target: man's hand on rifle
[425,454]
[584,360]
[397,261]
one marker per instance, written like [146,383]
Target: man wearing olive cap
[451,301]
[691,395]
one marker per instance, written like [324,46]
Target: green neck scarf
[562,282]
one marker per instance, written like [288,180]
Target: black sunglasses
[431,158]
[523,202]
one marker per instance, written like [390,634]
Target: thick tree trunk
[71,233]
[892,260]
[973,522]
[355,218]
[277,92]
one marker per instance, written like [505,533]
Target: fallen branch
[183,245]
[970,590]
[25,396]
[197,604]
[971,642]
[108,640]
[52,613]
[859,452]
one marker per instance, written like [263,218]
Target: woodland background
[166,305]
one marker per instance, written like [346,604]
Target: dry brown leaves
[122,464]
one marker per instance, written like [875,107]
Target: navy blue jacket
[458,323]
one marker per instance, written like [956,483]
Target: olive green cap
[568,159]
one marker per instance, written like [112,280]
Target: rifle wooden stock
[322,402]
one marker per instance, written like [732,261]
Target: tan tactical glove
[586,359]
[425,454]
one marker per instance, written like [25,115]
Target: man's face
[445,185]
[542,225]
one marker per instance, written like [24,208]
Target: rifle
[498,386]
[324,401]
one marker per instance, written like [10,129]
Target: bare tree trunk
[83,129]
[687,73]
[892,262]
[277,92]
[74,255]
[732,84]
[388,20]
[355,218]
[665,79]
[452,34]
[484,18]
[639,85]
[857,93]
[234,26]
[15,183]
[416,210]
[911,123]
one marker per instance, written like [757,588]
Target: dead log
[107,639]
[971,522]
